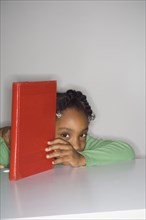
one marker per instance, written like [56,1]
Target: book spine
[14,130]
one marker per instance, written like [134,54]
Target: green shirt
[102,152]
[4,153]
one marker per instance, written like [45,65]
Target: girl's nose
[76,144]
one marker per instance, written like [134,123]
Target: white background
[97,47]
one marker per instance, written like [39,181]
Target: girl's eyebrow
[68,129]
[86,129]
[64,128]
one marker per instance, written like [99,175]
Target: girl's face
[72,127]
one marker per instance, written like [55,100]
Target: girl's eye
[83,135]
[65,135]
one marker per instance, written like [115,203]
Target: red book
[33,125]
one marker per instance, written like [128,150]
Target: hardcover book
[32,126]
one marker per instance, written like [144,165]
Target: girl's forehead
[73,118]
[74,113]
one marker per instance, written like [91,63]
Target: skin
[70,138]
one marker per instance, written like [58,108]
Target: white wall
[94,46]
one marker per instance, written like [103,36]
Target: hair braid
[75,99]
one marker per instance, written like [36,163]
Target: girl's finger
[57,141]
[60,160]
[57,154]
[58,147]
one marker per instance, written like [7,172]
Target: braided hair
[74,99]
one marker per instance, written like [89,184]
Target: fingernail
[47,156]
[49,142]
[46,149]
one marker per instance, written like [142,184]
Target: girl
[72,145]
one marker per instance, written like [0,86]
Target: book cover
[32,126]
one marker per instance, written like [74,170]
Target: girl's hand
[64,153]
[2,166]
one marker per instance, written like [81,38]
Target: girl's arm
[4,154]
[102,152]
[4,146]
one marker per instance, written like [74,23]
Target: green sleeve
[102,152]
[4,153]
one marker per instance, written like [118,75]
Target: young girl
[72,145]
